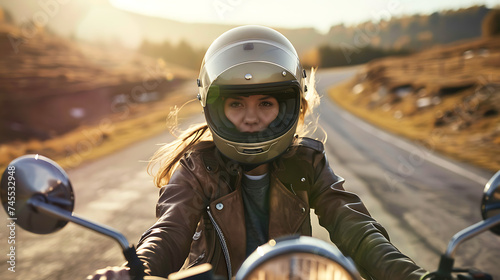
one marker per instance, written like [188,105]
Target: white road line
[412,148]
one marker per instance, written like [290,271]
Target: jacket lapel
[229,215]
[287,211]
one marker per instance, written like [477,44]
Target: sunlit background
[66,56]
[80,79]
[318,14]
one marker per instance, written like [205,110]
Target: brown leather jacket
[204,197]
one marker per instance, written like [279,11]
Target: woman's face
[251,113]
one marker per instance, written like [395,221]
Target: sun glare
[110,26]
[176,10]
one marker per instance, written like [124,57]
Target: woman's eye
[235,104]
[266,104]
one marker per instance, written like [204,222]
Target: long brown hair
[168,156]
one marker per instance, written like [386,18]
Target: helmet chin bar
[252,149]
[255,153]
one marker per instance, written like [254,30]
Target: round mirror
[35,177]
[490,205]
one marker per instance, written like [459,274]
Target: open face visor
[287,95]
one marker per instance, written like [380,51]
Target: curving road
[420,197]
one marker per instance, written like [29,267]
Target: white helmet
[245,61]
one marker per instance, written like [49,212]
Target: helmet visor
[253,113]
[246,52]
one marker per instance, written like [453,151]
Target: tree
[491,23]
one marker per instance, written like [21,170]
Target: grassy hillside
[73,102]
[447,98]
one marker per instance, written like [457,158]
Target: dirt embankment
[67,100]
[447,98]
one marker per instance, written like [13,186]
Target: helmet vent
[248,46]
[253,151]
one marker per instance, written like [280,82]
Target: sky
[319,14]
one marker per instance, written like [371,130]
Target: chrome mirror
[37,194]
[490,205]
[36,178]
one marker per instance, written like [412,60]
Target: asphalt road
[420,197]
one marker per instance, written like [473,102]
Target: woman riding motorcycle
[246,176]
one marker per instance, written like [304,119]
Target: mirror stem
[40,205]
[470,232]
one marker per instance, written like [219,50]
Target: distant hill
[69,20]
[414,31]
[50,85]
[399,36]
[410,32]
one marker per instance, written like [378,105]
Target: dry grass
[478,144]
[46,66]
[460,86]
[109,135]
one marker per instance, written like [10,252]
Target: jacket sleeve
[164,247]
[354,231]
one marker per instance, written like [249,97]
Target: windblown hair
[168,156]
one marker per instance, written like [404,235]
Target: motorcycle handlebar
[134,263]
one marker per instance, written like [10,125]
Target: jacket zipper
[223,244]
[198,260]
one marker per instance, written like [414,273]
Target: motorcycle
[37,194]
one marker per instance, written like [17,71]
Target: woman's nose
[251,116]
